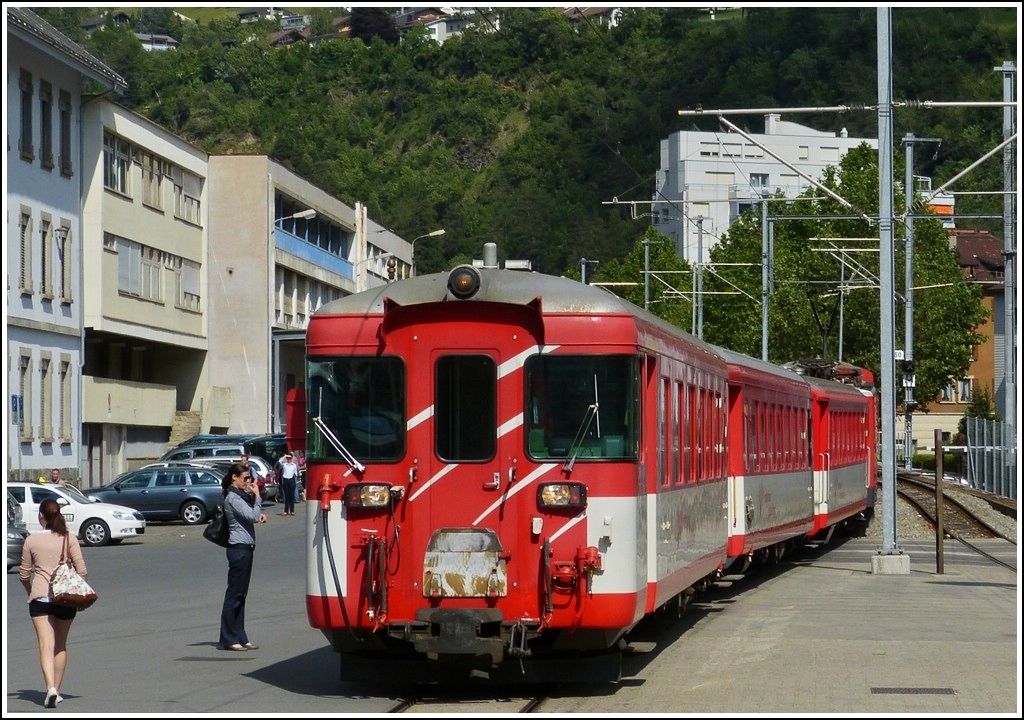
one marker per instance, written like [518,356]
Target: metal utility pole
[887,319]
[583,268]
[1010,351]
[647,273]
[909,369]
[698,279]
[767,271]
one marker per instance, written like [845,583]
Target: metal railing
[991,457]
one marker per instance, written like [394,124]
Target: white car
[95,523]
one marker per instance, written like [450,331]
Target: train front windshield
[356,409]
[582,406]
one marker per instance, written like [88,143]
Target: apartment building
[47,79]
[146,319]
[981,259]
[706,180]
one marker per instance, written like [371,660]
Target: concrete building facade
[47,79]
[154,291]
[146,318]
[278,238]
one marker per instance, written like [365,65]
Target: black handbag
[217,531]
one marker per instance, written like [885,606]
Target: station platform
[825,635]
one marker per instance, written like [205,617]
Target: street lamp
[429,234]
[359,273]
[301,215]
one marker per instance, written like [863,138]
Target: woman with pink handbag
[40,557]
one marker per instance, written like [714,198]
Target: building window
[187,273]
[46,125]
[117,164]
[153,171]
[139,270]
[965,388]
[25,389]
[65,400]
[25,257]
[947,393]
[46,258]
[66,261]
[25,145]
[66,161]
[759,181]
[709,149]
[45,400]
[188,188]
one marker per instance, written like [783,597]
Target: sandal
[236,647]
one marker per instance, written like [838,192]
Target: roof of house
[30,25]
[980,254]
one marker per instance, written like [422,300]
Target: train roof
[737,360]
[549,293]
[516,287]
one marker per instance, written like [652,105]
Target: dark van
[271,446]
[216,440]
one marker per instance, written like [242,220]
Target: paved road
[149,645]
[817,636]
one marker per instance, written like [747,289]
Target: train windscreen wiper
[335,442]
[593,412]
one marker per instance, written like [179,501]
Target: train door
[822,460]
[466,439]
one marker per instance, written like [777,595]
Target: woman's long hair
[225,483]
[53,519]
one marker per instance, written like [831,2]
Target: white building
[46,76]
[708,179]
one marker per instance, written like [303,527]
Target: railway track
[958,521]
[462,701]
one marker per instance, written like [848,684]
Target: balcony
[293,245]
[124,402]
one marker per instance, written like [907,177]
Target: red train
[509,470]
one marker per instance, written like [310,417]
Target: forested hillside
[518,135]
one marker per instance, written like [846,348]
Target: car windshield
[75,494]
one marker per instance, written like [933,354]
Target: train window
[582,406]
[356,409]
[465,408]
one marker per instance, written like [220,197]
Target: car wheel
[193,512]
[95,533]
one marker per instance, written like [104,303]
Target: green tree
[367,23]
[981,407]
[668,290]
[814,270]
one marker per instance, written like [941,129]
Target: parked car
[203,452]
[95,523]
[267,479]
[16,532]
[167,491]
[215,440]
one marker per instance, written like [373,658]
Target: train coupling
[517,646]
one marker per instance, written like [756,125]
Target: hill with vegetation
[521,133]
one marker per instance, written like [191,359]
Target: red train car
[508,471]
[771,499]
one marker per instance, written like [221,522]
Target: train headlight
[367,495]
[464,282]
[556,495]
